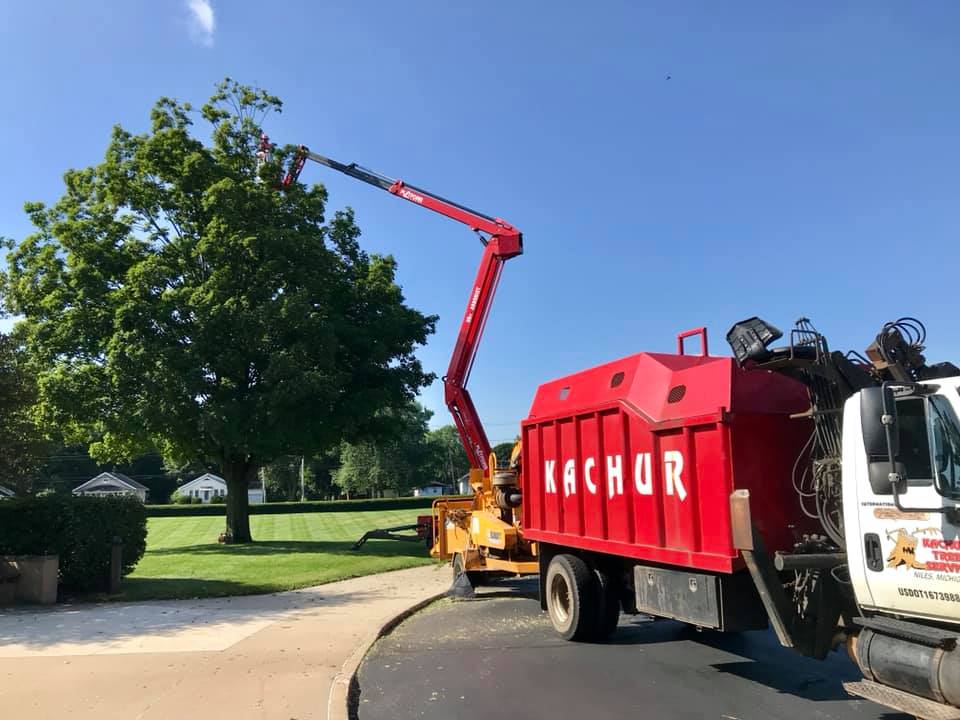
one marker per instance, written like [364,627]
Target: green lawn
[184,559]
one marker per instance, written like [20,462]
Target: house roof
[200,479]
[103,480]
[435,484]
[103,487]
[6,492]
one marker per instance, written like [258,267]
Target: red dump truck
[630,466]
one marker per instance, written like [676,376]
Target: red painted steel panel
[674,493]
[617,489]
[533,506]
[649,449]
[567,462]
[551,498]
[645,474]
[594,524]
[713,482]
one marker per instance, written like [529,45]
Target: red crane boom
[501,241]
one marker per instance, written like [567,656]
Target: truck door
[908,562]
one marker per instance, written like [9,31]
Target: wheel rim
[560,599]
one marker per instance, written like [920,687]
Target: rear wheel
[572,597]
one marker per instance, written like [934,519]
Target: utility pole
[302,492]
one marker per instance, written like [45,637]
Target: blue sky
[801,159]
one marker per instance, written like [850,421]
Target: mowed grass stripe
[299,527]
[184,559]
[178,534]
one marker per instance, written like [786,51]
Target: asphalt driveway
[498,656]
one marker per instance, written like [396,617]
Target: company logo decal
[939,555]
[412,196]
[589,476]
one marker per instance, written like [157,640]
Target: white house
[208,486]
[431,490]
[205,487]
[6,493]
[110,484]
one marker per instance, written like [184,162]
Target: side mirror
[876,404]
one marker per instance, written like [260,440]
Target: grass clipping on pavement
[184,559]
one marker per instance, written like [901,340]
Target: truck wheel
[608,615]
[572,597]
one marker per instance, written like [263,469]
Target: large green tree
[174,298]
[503,451]
[282,476]
[394,461]
[21,446]
[447,460]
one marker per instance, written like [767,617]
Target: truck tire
[573,595]
[608,607]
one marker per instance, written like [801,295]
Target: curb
[345,689]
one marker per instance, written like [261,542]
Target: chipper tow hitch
[423,526]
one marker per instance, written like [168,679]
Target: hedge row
[78,529]
[280,508]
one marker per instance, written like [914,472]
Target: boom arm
[501,242]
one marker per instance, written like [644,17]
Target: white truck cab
[903,548]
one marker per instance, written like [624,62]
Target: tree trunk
[238,475]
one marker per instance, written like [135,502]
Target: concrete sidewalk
[267,656]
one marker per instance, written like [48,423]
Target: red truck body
[638,457]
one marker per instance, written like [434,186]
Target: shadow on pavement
[763,660]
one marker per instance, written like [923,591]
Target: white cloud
[202,21]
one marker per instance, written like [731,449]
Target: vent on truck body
[676,393]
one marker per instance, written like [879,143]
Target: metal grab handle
[702,332]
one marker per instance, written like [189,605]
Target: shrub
[78,529]
[97,520]
[36,526]
[219,500]
[179,499]
[196,501]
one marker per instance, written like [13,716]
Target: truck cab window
[914,438]
[945,432]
